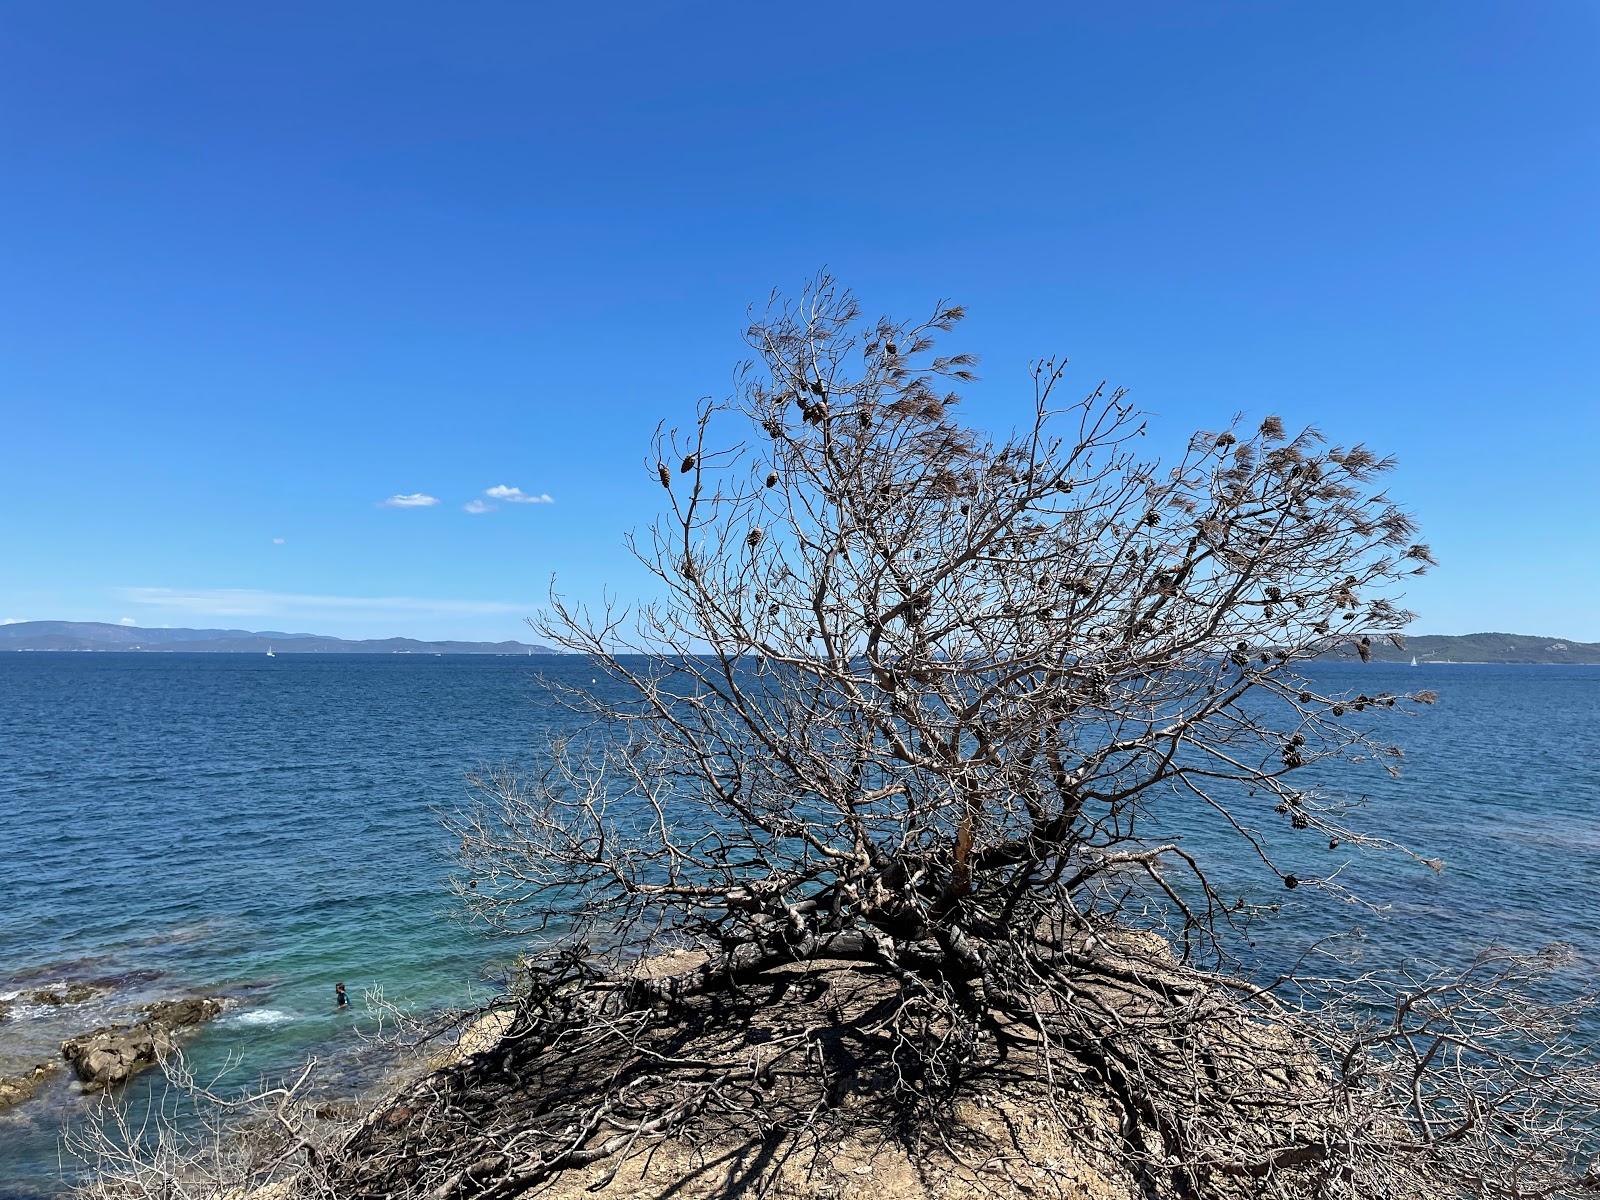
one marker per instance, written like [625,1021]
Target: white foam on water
[261,1016]
[32,1012]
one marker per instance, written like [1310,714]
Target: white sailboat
[270,654]
[1413,660]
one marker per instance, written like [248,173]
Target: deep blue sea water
[265,827]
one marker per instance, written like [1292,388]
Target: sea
[261,828]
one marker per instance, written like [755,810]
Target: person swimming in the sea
[340,1000]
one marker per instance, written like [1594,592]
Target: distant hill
[97,635]
[1489,648]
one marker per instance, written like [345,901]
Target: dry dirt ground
[1006,1149]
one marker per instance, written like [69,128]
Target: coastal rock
[337,1110]
[113,1055]
[14,1089]
[480,1036]
[76,992]
[176,1014]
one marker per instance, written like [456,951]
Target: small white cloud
[515,495]
[126,621]
[411,500]
[277,541]
[477,506]
[12,620]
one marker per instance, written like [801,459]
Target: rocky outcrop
[14,1089]
[56,997]
[113,1055]
[68,993]
[178,1014]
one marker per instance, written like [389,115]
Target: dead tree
[918,723]
[911,698]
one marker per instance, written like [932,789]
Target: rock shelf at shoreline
[115,1053]
[14,1089]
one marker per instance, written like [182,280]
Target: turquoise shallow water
[258,827]
[265,827]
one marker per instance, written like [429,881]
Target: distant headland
[98,635]
[1487,648]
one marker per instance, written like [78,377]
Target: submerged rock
[113,1055]
[14,1089]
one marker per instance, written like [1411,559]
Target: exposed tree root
[1134,1077]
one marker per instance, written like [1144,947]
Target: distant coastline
[1428,649]
[1485,649]
[101,636]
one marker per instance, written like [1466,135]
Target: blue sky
[263,267]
